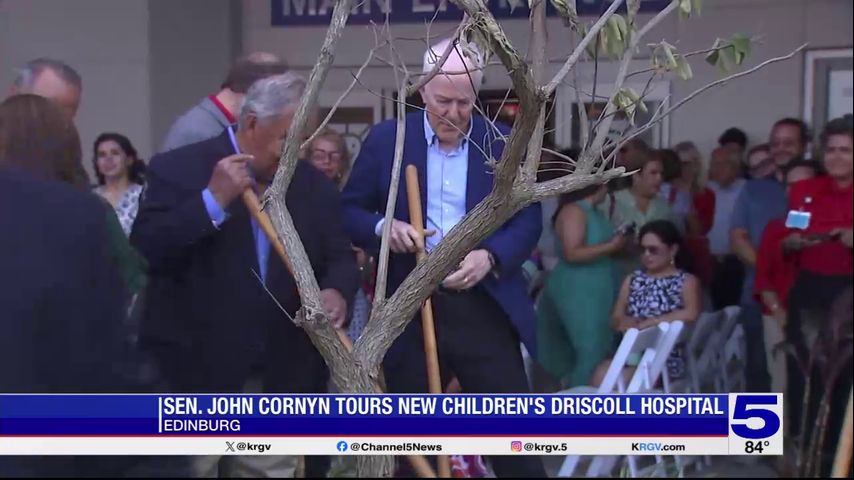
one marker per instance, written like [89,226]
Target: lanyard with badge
[800,219]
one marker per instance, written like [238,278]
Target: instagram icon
[516,446]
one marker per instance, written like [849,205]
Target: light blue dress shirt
[218,215]
[447,176]
[447,173]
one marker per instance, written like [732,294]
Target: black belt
[449,291]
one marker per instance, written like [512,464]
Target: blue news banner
[734,424]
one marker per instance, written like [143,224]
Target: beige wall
[142,62]
[105,40]
[751,103]
[145,61]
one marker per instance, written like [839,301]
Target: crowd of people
[156,277]
[765,228]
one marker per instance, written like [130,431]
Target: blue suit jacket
[367,190]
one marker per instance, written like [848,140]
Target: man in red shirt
[775,274]
[825,263]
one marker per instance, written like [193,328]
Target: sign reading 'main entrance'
[319,12]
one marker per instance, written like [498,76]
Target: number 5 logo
[749,406]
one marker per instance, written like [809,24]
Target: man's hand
[230,179]
[405,238]
[335,306]
[472,270]
[795,242]
[617,243]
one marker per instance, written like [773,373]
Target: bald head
[465,60]
[449,96]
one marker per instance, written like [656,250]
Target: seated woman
[662,291]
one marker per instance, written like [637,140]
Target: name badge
[798,219]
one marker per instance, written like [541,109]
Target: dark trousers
[477,344]
[810,302]
[727,281]
[756,375]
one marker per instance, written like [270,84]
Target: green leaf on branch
[628,101]
[685,8]
[741,44]
[727,54]
[664,57]
[615,36]
[683,68]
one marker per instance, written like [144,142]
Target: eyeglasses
[322,155]
[651,250]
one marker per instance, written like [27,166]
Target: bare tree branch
[344,95]
[514,63]
[559,155]
[691,54]
[382,269]
[441,61]
[664,113]
[290,154]
[584,121]
[570,183]
[602,132]
[579,49]
[530,96]
[539,44]
[311,317]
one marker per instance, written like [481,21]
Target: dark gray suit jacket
[202,122]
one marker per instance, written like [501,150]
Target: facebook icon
[342,446]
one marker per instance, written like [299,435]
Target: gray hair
[27,75]
[270,96]
[463,52]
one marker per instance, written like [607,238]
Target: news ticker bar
[385,446]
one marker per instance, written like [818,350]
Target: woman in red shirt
[775,274]
[825,264]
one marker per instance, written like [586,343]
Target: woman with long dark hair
[120,175]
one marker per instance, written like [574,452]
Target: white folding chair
[701,354]
[703,343]
[650,370]
[634,342]
[648,373]
[731,352]
[734,361]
